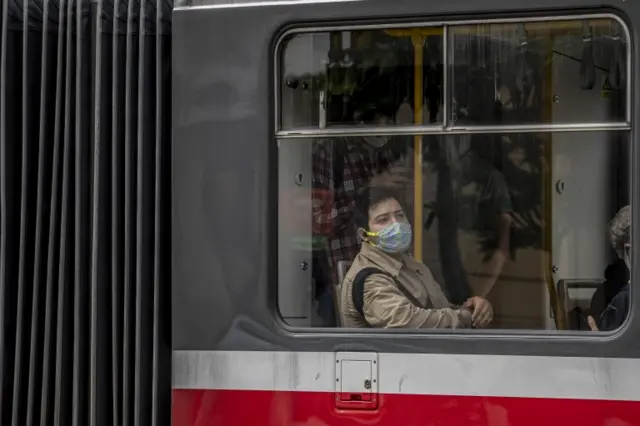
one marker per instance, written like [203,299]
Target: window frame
[446,128]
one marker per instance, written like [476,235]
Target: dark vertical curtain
[84,228]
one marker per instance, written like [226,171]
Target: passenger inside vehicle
[616,312]
[385,287]
[341,167]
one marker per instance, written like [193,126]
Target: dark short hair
[367,199]
[620,230]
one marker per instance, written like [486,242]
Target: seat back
[577,298]
[343,268]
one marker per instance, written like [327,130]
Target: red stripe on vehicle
[269,408]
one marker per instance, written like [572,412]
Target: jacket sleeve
[386,307]
[616,313]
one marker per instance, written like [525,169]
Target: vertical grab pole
[557,308]
[418,45]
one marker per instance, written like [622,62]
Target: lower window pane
[519,223]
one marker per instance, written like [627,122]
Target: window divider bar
[451,130]
[445,76]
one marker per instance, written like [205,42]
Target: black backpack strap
[357,289]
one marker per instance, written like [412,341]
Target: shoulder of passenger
[359,262]
[378,283]
[621,300]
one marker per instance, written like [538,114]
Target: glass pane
[495,213]
[538,73]
[332,79]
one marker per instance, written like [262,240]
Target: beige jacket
[384,304]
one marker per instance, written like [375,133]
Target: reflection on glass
[537,73]
[497,211]
[332,79]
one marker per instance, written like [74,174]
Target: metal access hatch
[356,381]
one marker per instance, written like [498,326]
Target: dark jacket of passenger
[616,312]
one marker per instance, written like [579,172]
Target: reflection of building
[465,198]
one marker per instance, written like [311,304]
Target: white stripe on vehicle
[419,374]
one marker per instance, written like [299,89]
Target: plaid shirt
[333,207]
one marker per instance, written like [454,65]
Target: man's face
[378,120]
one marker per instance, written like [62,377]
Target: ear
[362,234]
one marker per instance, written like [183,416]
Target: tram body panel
[236,362]
[289,388]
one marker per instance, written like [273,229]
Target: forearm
[447,318]
[410,316]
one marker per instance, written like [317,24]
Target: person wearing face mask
[615,314]
[385,287]
[341,167]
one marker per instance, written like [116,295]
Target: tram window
[495,213]
[549,72]
[333,79]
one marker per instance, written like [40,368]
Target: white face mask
[377,141]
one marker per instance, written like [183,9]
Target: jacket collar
[382,260]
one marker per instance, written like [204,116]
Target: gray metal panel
[11,194]
[96,271]
[100,367]
[43,204]
[20,374]
[157,235]
[83,146]
[131,121]
[63,414]
[80,373]
[161,381]
[144,215]
[224,221]
[66,375]
[117,159]
[51,383]
[3,207]
[5,399]
[62,120]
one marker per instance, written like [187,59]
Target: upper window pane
[548,72]
[372,77]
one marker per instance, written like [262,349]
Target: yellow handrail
[418,36]
[418,45]
[411,32]
[557,308]
[556,28]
